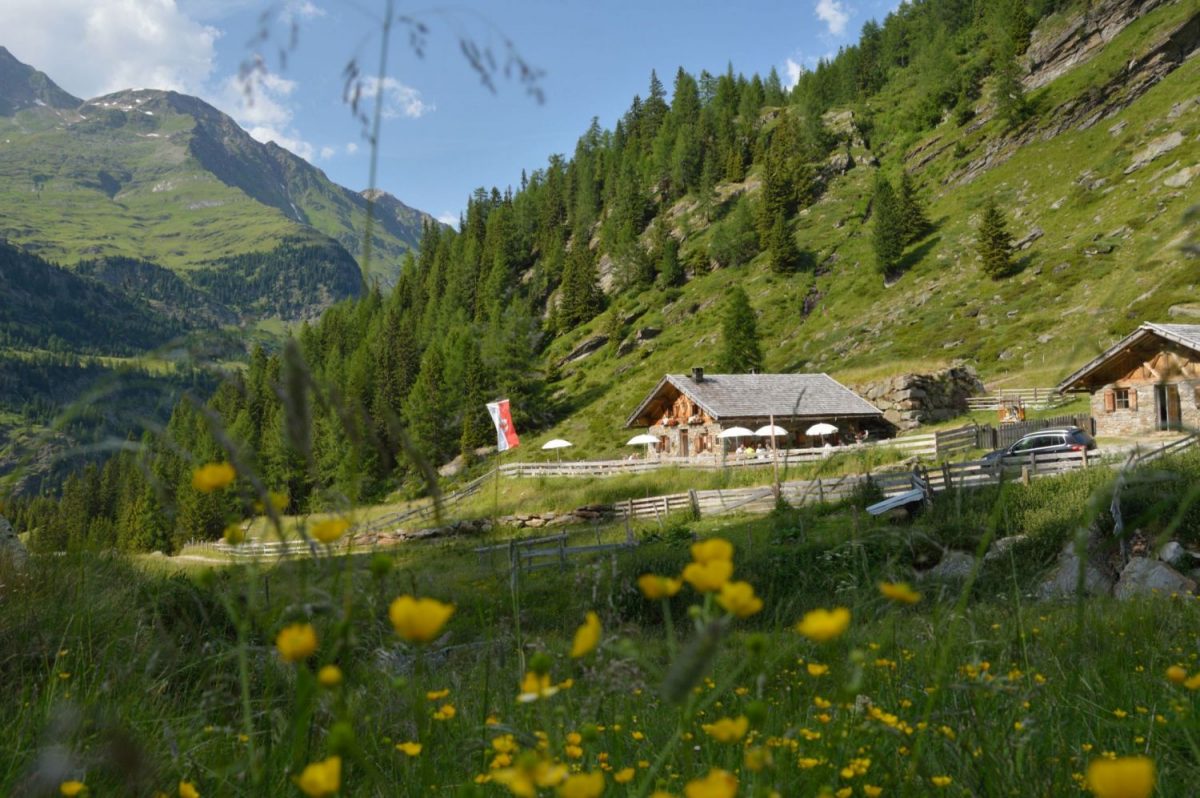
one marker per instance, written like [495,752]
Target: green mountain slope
[164,177]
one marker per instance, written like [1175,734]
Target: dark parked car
[1046,441]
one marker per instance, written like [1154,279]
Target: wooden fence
[527,554]
[1007,434]
[1032,398]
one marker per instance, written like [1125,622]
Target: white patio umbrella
[821,429]
[770,431]
[735,432]
[557,443]
[642,440]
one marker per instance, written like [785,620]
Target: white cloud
[92,47]
[351,148]
[834,15]
[449,218]
[264,111]
[398,99]
[793,71]
[327,152]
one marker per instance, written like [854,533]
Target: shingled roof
[1187,335]
[763,395]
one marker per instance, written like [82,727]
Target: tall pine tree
[887,234]
[994,242]
[740,350]
[912,211]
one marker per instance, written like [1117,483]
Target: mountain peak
[22,86]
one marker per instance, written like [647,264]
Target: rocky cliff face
[914,399]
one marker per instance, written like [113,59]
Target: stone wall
[910,400]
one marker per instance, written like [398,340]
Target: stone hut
[1149,380]
[688,413]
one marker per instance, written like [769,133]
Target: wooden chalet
[1149,380]
[687,413]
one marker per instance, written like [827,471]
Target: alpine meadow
[818,426]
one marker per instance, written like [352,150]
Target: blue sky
[444,133]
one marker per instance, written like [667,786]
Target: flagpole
[775,456]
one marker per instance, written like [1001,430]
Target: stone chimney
[697,374]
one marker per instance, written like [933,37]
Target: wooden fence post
[820,490]
[695,500]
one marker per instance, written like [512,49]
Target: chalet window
[1121,398]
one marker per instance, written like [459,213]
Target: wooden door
[683,443]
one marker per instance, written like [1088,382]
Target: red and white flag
[506,434]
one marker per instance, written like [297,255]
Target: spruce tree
[740,351]
[994,242]
[670,270]
[782,253]
[581,297]
[912,211]
[887,236]
[1008,93]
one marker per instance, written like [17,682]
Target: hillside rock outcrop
[910,400]
[11,547]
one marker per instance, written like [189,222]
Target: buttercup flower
[419,620]
[409,748]
[234,535]
[717,784]
[656,587]
[816,669]
[941,781]
[296,642]
[708,577]
[330,676]
[624,775]
[534,687]
[712,549]
[445,712]
[587,637]
[899,592]
[329,530]
[71,788]
[1125,777]
[1176,675]
[188,790]
[213,477]
[584,785]
[321,779]
[727,730]
[824,625]
[739,599]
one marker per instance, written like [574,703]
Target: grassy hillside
[1108,258]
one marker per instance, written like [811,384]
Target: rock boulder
[1143,577]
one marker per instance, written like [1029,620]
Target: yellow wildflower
[234,535]
[504,744]
[587,636]
[534,687]
[188,790]
[656,587]
[213,477]
[941,781]
[437,695]
[717,784]
[1176,675]
[71,788]
[816,669]
[1192,683]
[823,625]
[712,549]
[445,712]
[738,598]
[899,592]
[409,748]
[624,775]
[321,779]
[871,791]
[1125,777]
[330,676]
[330,530]
[296,642]
[757,758]
[708,577]
[419,620]
[584,785]
[727,730]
